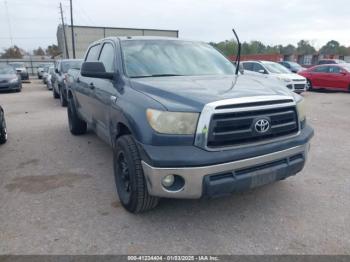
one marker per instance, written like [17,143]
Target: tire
[55,94]
[308,85]
[77,126]
[63,100]
[129,178]
[3,130]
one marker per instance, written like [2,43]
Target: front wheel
[129,178]
[77,126]
[3,130]
[54,93]
[308,85]
[63,99]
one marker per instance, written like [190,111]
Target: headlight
[14,80]
[176,123]
[301,110]
[284,79]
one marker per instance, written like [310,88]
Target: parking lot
[58,195]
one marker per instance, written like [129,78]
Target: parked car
[272,70]
[71,78]
[3,130]
[45,74]
[330,61]
[181,123]
[292,66]
[42,68]
[61,68]
[10,79]
[21,69]
[332,77]
[50,73]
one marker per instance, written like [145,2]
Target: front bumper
[9,86]
[247,168]
[297,86]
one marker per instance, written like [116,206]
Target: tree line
[303,47]
[17,52]
[227,47]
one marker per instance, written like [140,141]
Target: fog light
[168,181]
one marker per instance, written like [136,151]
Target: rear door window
[248,66]
[258,67]
[334,69]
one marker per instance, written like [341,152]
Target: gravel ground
[57,194]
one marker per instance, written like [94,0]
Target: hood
[191,93]
[21,69]
[7,77]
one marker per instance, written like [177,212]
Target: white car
[49,76]
[275,71]
[21,69]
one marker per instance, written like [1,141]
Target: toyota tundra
[182,124]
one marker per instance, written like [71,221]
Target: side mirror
[342,72]
[261,71]
[56,70]
[95,69]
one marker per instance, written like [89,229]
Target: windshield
[6,70]
[346,67]
[144,58]
[276,68]
[71,64]
[295,65]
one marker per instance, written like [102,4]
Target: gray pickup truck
[182,124]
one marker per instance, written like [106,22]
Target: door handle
[113,99]
[92,86]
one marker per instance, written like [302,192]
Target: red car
[330,76]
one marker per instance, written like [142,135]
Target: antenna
[238,56]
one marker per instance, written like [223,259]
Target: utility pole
[72,27]
[9,22]
[64,32]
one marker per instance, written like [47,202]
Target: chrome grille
[238,128]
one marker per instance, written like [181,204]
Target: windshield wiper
[156,75]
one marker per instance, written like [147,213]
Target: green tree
[331,48]
[39,51]
[287,50]
[12,52]
[52,50]
[304,48]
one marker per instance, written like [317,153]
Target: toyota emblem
[262,126]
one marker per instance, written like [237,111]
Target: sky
[33,23]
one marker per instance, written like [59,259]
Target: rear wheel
[129,178]
[77,126]
[3,130]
